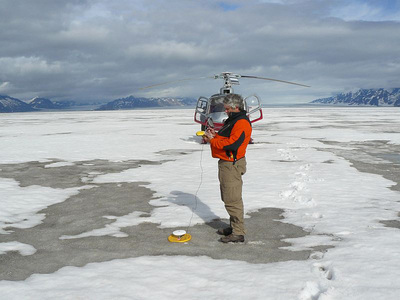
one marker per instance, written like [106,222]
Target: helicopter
[210,112]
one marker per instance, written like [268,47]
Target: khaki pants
[230,179]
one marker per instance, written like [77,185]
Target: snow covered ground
[293,165]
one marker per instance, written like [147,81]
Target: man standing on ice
[229,145]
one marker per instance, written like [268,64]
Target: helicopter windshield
[217,104]
[217,110]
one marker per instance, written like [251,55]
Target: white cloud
[23,66]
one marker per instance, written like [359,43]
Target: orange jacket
[232,139]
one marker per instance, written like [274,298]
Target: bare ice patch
[19,205]
[113,229]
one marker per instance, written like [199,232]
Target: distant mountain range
[364,97]
[134,102]
[9,104]
[43,103]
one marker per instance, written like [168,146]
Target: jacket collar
[235,115]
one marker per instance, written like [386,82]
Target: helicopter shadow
[198,207]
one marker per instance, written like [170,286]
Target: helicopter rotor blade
[169,82]
[272,79]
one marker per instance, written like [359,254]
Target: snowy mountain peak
[9,104]
[42,103]
[33,99]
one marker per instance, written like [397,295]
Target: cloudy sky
[99,50]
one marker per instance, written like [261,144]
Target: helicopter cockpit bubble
[216,109]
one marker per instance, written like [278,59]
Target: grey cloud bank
[100,50]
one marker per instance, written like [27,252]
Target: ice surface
[289,167]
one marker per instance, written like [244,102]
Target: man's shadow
[198,207]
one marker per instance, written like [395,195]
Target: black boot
[233,238]
[225,231]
